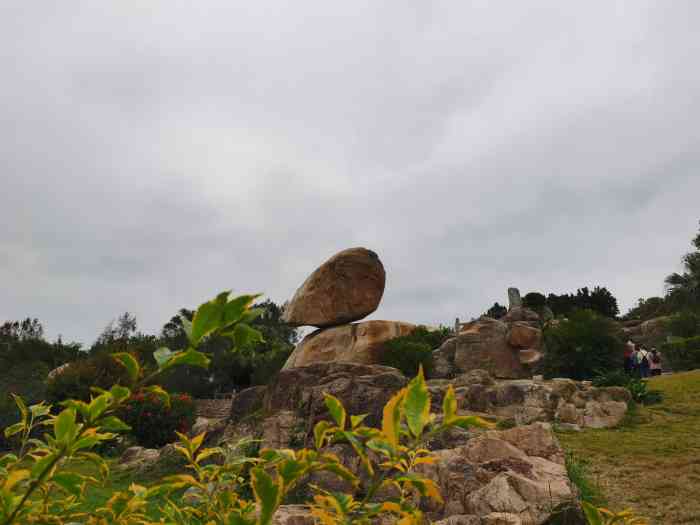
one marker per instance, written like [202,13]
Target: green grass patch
[651,462]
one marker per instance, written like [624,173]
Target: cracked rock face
[346,288]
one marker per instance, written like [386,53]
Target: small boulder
[345,288]
[360,343]
[247,401]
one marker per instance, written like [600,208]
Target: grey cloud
[153,155]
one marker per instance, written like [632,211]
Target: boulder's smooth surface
[293,515]
[360,343]
[247,401]
[520,313]
[345,288]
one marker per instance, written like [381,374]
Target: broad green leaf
[42,464]
[98,405]
[64,426]
[320,432]
[359,450]
[40,410]
[187,357]
[382,446]
[356,420]
[267,494]
[22,407]
[467,422]
[593,516]
[162,355]
[113,424]
[417,404]
[336,409]
[119,393]
[130,363]
[208,318]
[186,326]
[236,307]
[391,418]
[14,429]
[69,481]
[449,405]
[244,336]
[291,470]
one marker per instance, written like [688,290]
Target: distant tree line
[600,300]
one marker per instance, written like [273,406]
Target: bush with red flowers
[153,422]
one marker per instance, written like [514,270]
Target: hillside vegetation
[652,462]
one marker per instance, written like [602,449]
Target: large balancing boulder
[361,343]
[345,288]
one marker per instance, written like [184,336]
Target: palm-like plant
[684,288]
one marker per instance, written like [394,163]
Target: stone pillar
[457,325]
[514,300]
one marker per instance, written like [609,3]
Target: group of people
[641,362]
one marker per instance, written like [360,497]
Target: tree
[21,330]
[496,311]
[581,346]
[600,300]
[683,289]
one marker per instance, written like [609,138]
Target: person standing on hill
[655,363]
[644,362]
[628,362]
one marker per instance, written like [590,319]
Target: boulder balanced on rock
[345,288]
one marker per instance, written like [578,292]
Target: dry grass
[651,463]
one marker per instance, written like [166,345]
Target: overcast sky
[155,153]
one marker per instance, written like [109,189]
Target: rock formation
[345,288]
[514,300]
[516,475]
[360,343]
[508,348]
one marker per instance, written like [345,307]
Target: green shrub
[682,354]
[614,377]
[409,352]
[154,422]
[685,325]
[581,345]
[75,380]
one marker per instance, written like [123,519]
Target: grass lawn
[651,463]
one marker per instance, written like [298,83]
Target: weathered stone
[138,458]
[473,377]
[521,335]
[521,313]
[361,343]
[530,357]
[345,288]
[247,401]
[484,346]
[363,389]
[501,518]
[293,515]
[460,519]
[514,299]
[284,429]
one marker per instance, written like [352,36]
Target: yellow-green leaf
[336,409]
[391,418]
[130,363]
[417,404]
[267,494]
[449,405]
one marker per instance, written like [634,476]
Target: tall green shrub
[682,354]
[409,352]
[581,346]
[76,380]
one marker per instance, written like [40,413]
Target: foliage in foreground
[38,486]
[581,345]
